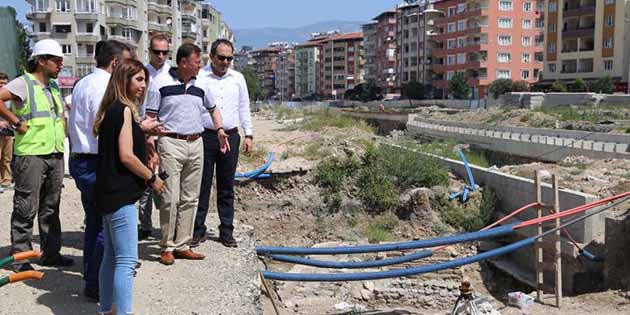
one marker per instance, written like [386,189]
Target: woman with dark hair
[121,177]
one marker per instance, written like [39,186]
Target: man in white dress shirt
[157,66]
[229,91]
[86,100]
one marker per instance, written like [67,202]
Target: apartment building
[285,75]
[415,31]
[586,39]
[79,24]
[242,58]
[307,66]
[380,51]
[342,61]
[265,64]
[488,40]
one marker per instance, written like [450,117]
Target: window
[452,11]
[539,56]
[552,67]
[608,65]
[505,40]
[553,6]
[608,43]
[452,27]
[527,24]
[461,7]
[461,58]
[449,75]
[40,6]
[525,58]
[527,6]
[540,6]
[451,60]
[86,6]
[461,25]
[42,27]
[89,27]
[504,57]
[552,27]
[505,23]
[540,23]
[452,43]
[461,42]
[610,20]
[504,74]
[551,48]
[62,5]
[609,1]
[66,49]
[526,41]
[84,69]
[540,40]
[525,75]
[505,5]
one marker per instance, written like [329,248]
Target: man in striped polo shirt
[181,106]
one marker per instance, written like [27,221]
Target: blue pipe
[453,239]
[259,171]
[360,276]
[590,256]
[471,180]
[353,264]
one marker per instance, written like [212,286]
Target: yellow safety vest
[44,117]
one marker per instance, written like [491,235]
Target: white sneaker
[2,189]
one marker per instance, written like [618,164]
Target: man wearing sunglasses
[229,91]
[157,66]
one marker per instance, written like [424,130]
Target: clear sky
[279,13]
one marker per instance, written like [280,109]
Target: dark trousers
[225,169]
[83,170]
[38,183]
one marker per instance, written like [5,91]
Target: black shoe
[92,293]
[144,235]
[57,261]
[21,267]
[196,241]
[228,241]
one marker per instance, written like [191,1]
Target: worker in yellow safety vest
[37,116]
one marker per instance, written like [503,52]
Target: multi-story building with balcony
[342,61]
[79,24]
[307,67]
[415,42]
[380,51]
[488,40]
[265,63]
[586,39]
[285,75]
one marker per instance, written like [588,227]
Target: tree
[578,86]
[520,86]
[416,91]
[558,86]
[458,86]
[499,87]
[24,47]
[253,84]
[603,85]
[365,92]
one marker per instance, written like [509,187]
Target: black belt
[84,156]
[189,138]
[55,155]
[229,131]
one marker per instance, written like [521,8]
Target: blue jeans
[84,173]
[119,259]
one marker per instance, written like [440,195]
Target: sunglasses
[160,52]
[223,58]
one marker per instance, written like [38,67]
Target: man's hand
[248,145]
[22,128]
[4,124]
[224,143]
[153,159]
[152,126]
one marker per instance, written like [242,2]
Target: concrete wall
[542,144]
[456,104]
[534,100]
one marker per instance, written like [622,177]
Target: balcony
[82,58]
[189,16]
[189,34]
[87,37]
[37,36]
[122,20]
[124,39]
[38,15]
[123,2]
[153,5]
[579,32]
[86,15]
[157,27]
[588,9]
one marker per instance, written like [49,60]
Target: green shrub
[377,191]
[469,219]
[325,119]
[330,175]
[413,170]
[458,86]
[381,228]
[558,86]
[578,86]
[520,86]
[499,87]
[604,85]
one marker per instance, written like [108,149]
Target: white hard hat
[47,47]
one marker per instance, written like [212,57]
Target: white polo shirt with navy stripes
[181,107]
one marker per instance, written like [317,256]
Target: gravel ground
[226,282]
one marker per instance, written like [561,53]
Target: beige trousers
[6,154]
[183,162]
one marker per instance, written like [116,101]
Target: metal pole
[558,249]
[538,247]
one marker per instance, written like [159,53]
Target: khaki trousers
[6,154]
[182,160]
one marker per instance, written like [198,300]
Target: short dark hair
[221,41]
[186,50]
[31,64]
[158,37]
[4,76]
[107,50]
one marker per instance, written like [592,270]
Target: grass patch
[447,149]
[470,219]
[592,114]
[321,120]
[313,151]
[283,113]
[381,227]
[255,157]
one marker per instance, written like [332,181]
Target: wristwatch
[250,137]
[151,180]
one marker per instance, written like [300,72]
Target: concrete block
[588,145]
[506,135]
[578,144]
[617,254]
[550,140]
[535,138]
[526,137]
[621,148]
[598,146]
[516,136]
[567,141]
[497,134]
[609,147]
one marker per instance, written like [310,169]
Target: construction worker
[37,116]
